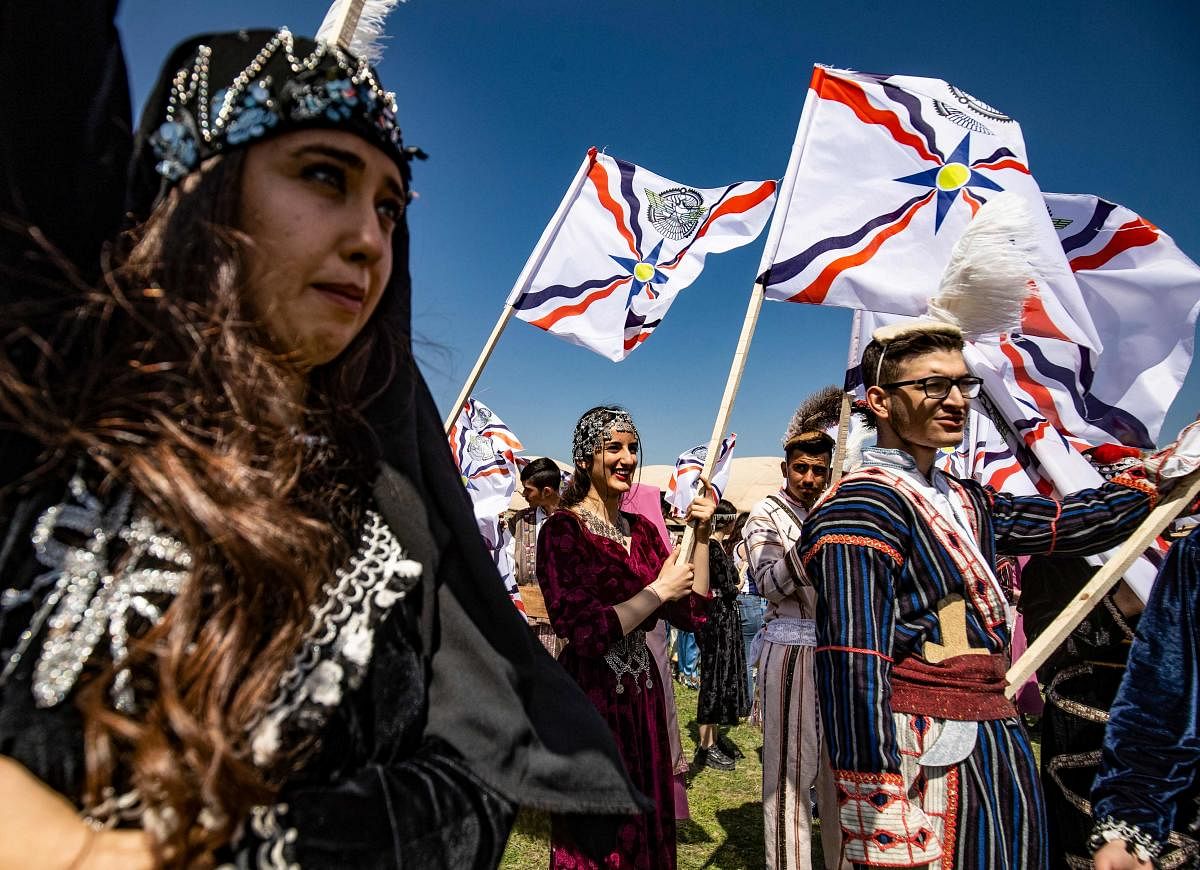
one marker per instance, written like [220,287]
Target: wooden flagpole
[688,545]
[1113,570]
[484,355]
[843,433]
[531,266]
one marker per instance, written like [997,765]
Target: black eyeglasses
[938,387]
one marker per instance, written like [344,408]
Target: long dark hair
[167,384]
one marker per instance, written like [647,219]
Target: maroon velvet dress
[583,576]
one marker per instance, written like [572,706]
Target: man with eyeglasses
[932,763]
[793,762]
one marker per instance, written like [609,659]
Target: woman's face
[613,465]
[319,207]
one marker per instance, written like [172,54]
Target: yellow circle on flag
[952,176]
[643,271]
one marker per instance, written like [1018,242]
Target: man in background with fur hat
[793,759]
[931,761]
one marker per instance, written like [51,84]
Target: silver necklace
[601,526]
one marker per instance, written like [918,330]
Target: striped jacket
[880,571]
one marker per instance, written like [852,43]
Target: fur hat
[811,424]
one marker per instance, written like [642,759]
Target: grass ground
[725,831]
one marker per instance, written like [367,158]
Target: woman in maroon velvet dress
[607,578]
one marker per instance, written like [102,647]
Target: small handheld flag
[684,484]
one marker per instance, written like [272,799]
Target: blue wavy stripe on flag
[631,199]
[642,326]
[1091,230]
[913,104]
[1117,422]
[529,301]
[790,268]
[996,155]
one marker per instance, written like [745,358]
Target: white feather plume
[861,436]
[992,270]
[364,39]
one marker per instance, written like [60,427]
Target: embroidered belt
[791,630]
[969,688]
[630,655]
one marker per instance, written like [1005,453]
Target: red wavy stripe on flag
[855,98]
[1039,393]
[999,478]
[511,441]
[1136,234]
[971,201]
[1007,163]
[738,205]
[599,177]
[579,307]
[1036,321]
[631,343]
[816,292]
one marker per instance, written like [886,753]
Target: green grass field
[725,831]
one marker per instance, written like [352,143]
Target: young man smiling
[932,764]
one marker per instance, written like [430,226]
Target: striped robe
[880,570]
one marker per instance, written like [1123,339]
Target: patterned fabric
[771,534]
[794,760]
[875,609]
[583,576]
[1081,680]
[792,750]
[1151,755]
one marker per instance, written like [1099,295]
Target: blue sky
[507,96]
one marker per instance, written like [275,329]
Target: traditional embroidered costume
[794,759]
[1148,789]
[583,574]
[933,765]
[526,526]
[428,710]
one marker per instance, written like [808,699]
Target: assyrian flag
[1142,294]
[485,452]
[684,485]
[623,243]
[499,542]
[885,174]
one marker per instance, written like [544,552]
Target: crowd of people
[247,620]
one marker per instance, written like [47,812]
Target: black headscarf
[495,695]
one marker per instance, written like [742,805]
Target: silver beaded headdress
[593,430]
[227,90]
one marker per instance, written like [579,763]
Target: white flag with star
[885,174]
[623,243]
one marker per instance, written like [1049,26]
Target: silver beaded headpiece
[223,91]
[593,430]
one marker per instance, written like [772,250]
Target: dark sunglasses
[938,387]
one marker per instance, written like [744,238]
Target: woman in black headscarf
[246,615]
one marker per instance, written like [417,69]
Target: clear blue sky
[507,96]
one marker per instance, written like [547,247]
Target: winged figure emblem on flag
[622,245]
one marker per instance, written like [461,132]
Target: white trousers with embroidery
[794,760]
